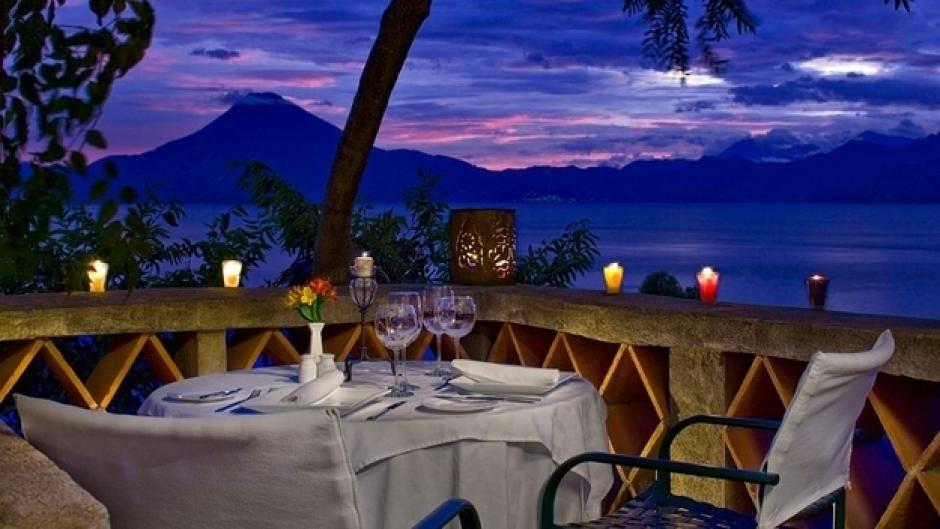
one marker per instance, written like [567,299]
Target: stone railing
[654,360]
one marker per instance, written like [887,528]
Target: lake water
[881,259]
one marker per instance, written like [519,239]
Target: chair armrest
[738,422]
[659,465]
[447,511]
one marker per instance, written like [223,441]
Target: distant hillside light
[483,246]
[708,285]
[231,273]
[97,276]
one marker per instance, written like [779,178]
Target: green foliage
[560,261]
[665,284]
[233,234]
[54,82]
[667,35]
[411,248]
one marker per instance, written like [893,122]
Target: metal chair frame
[660,492]
[447,511]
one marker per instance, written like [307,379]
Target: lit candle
[817,286]
[364,266]
[97,276]
[613,278]
[708,285]
[231,273]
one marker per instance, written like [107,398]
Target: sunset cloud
[505,84]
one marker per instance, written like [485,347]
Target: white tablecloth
[410,460]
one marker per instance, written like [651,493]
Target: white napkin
[486,372]
[316,389]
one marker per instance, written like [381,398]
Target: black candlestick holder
[362,290]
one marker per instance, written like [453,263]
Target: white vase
[316,341]
[307,370]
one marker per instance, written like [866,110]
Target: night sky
[511,83]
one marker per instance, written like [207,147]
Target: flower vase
[316,341]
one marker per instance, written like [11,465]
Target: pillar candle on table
[613,278]
[817,287]
[231,273]
[97,276]
[708,285]
[364,266]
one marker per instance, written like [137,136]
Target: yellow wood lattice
[894,469]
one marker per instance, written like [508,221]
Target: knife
[387,409]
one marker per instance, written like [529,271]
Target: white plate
[457,406]
[343,399]
[469,385]
[192,397]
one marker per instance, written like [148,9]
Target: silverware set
[385,410]
[255,393]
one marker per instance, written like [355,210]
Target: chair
[288,469]
[450,509]
[805,471]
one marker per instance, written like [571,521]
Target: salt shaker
[326,364]
[308,369]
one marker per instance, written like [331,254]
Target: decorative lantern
[483,246]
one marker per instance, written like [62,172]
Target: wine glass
[408,297]
[429,298]
[397,326]
[456,315]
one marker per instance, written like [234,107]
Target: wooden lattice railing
[653,360]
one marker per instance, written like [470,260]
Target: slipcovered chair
[806,469]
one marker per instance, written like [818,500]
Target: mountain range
[870,168]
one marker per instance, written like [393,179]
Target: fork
[255,393]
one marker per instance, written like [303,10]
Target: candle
[364,266]
[817,287]
[231,273]
[613,278]
[708,285]
[97,276]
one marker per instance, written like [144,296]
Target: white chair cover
[287,470]
[811,450]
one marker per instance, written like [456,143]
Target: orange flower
[323,287]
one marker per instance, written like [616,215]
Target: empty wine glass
[408,297]
[429,298]
[397,326]
[456,315]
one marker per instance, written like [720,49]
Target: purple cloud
[855,88]
[216,53]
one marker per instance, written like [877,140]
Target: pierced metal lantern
[482,246]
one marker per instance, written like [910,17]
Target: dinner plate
[343,399]
[457,406]
[464,383]
[193,397]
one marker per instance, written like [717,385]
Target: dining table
[410,458]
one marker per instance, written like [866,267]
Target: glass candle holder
[97,276]
[613,278]
[708,285]
[817,289]
[231,273]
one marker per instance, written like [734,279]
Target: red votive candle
[817,287]
[708,285]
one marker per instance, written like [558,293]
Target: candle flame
[707,271]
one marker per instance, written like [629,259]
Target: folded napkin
[486,372]
[316,389]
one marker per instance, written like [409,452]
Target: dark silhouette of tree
[53,85]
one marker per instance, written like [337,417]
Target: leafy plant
[665,284]
[560,261]
[53,85]
[233,234]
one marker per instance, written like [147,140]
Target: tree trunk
[400,24]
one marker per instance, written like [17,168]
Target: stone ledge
[631,318]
